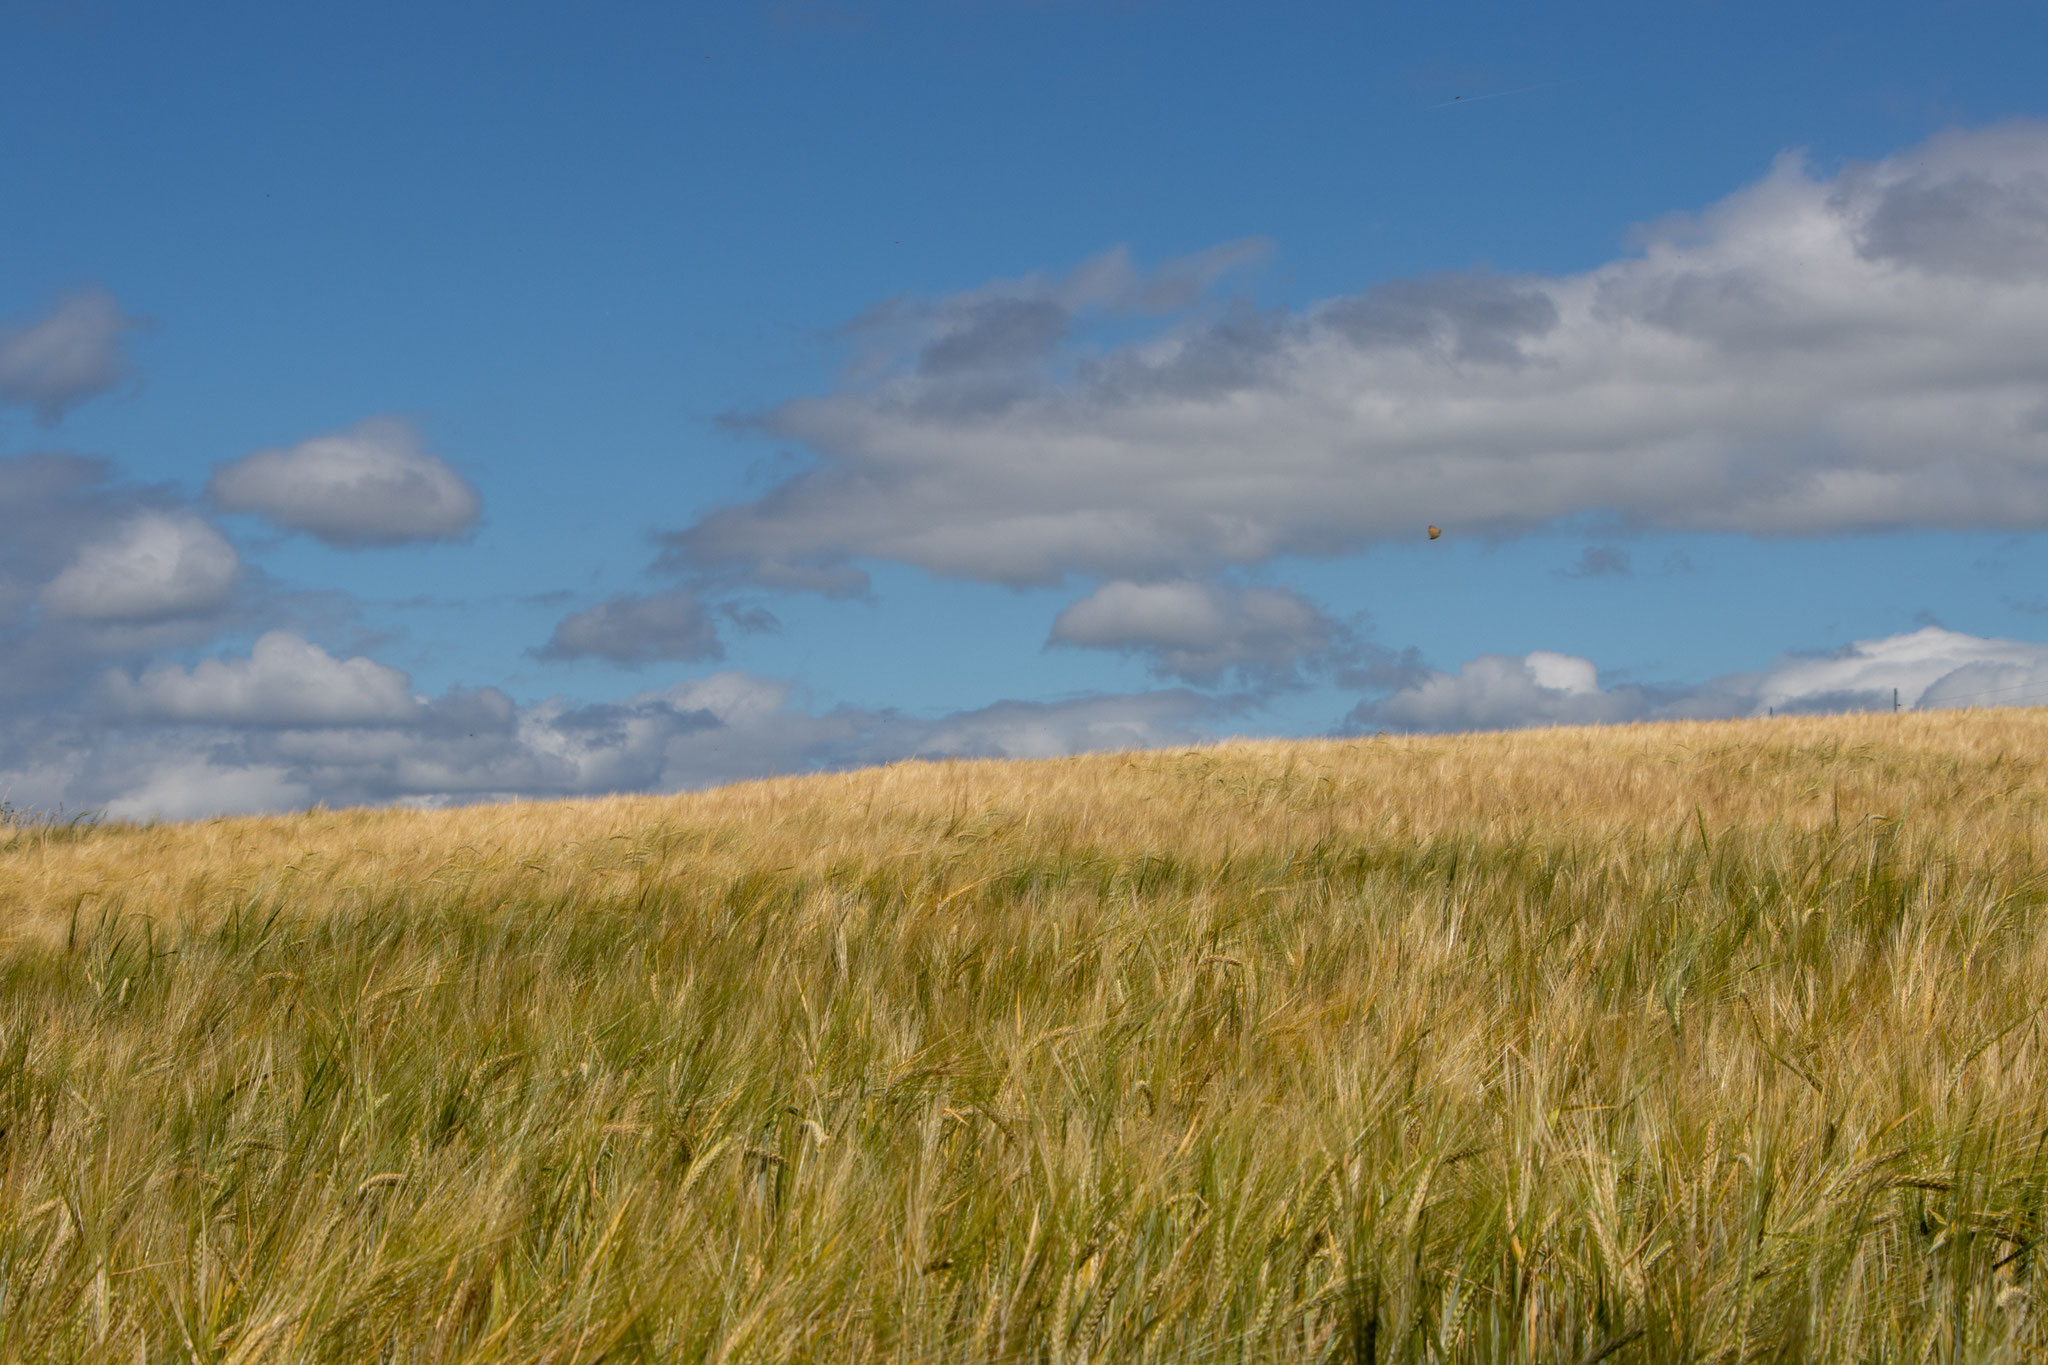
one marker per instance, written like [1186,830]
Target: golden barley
[1644,1043]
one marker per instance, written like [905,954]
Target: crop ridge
[1695,1040]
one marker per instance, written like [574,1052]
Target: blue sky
[437,402]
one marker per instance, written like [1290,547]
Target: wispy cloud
[1600,561]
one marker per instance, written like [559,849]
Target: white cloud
[1814,354]
[1019,729]
[284,681]
[291,726]
[372,484]
[734,725]
[1500,692]
[1199,631]
[151,566]
[95,570]
[192,787]
[1929,668]
[66,356]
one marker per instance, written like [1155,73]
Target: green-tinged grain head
[1659,1043]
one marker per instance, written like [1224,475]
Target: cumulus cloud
[1973,206]
[94,569]
[1817,353]
[634,630]
[291,726]
[193,787]
[153,565]
[285,680]
[1505,692]
[1198,632]
[49,505]
[68,355]
[1928,668]
[373,484]
[98,577]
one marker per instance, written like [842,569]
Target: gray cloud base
[1202,632]
[151,566]
[285,681]
[373,484]
[68,355]
[634,630]
[93,569]
[1812,355]
[291,725]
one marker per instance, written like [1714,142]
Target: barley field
[1690,1042]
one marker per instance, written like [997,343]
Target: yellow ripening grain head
[1668,1042]
[1972,776]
